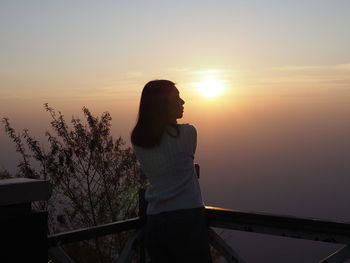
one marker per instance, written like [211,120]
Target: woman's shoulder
[188,130]
[188,127]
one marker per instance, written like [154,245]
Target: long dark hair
[153,117]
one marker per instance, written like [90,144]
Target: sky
[275,140]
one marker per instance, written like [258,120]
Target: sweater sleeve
[194,139]
[191,139]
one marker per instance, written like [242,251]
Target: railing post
[23,231]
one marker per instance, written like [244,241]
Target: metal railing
[263,223]
[285,226]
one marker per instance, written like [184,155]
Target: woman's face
[176,107]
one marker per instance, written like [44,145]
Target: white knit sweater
[169,168]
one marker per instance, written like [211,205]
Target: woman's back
[170,170]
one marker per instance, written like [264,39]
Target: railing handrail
[77,235]
[280,225]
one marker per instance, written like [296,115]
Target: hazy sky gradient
[277,140]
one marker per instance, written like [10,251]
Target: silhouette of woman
[176,228]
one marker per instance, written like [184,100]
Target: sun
[210,88]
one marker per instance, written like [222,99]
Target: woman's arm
[194,140]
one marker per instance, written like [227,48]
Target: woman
[176,228]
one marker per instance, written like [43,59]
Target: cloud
[323,75]
[334,67]
[344,67]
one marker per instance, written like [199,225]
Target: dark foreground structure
[24,231]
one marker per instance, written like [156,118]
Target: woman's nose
[182,101]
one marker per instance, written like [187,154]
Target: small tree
[94,179]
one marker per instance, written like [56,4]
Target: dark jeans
[178,236]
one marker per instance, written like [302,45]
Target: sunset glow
[210,87]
